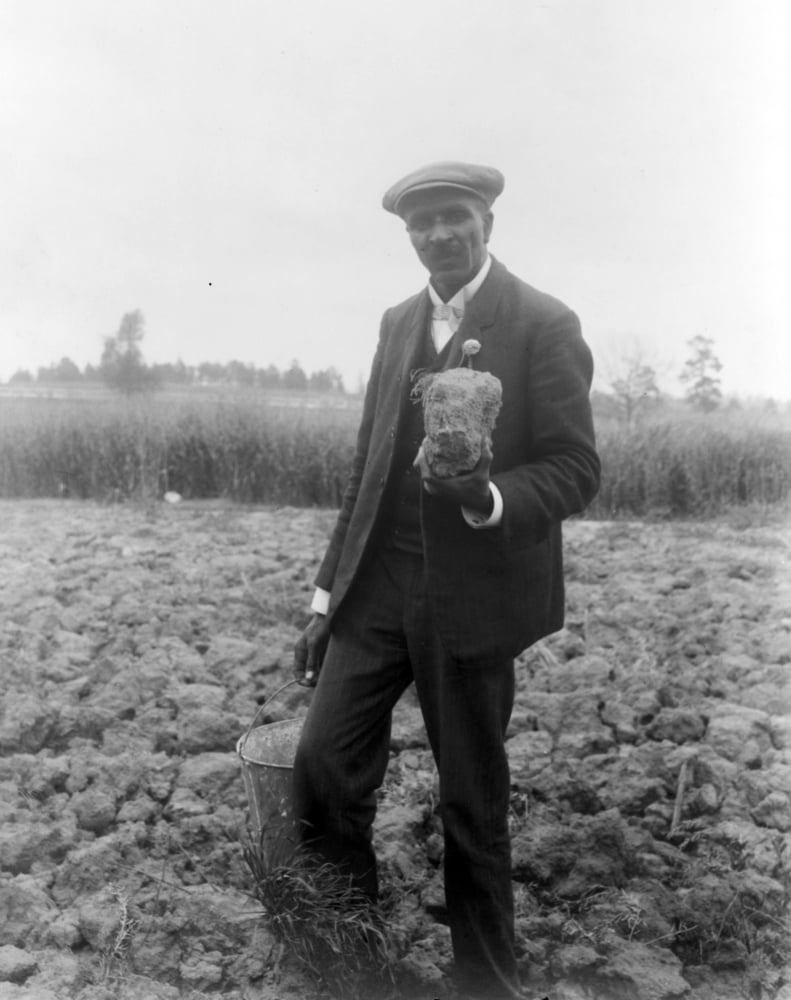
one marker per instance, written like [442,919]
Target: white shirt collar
[463,296]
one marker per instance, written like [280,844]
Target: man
[445,581]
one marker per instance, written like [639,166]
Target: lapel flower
[469,349]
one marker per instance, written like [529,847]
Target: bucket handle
[271,697]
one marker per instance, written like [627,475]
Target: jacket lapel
[417,327]
[479,314]
[482,309]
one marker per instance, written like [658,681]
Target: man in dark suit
[445,581]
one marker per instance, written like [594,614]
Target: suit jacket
[494,591]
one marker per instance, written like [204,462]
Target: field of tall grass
[239,445]
[251,447]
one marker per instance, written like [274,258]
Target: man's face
[449,230]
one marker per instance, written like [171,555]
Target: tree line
[123,367]
[633,382]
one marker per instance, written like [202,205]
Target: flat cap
[485,182]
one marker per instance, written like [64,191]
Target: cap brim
[437,186]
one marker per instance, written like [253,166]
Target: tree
[633,384]
[701,374]
[239,373]
[295,377]
[210,372]
[122,364]
[21,377]
[326,380]
[269,377]
[66,371]
[169,372]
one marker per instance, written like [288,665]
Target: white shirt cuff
[477,520]
[321,601]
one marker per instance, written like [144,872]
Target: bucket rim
[288,684]
[242,742]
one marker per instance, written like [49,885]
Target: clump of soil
[460,407]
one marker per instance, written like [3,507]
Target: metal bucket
[267,756]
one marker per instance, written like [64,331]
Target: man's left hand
[470,489]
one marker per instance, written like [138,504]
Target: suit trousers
[382,639]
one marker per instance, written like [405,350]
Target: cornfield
[250,448]
[691,468]
[237,447]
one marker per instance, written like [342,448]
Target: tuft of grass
[731,911]
[328,927]
[113,958]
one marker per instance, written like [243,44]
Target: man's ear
[488,222]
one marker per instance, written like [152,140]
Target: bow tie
[451,314]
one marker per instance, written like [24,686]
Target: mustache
[448,250]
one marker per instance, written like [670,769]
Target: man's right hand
[310,649]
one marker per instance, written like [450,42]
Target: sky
[220,166]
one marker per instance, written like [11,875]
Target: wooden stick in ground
[681,787]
